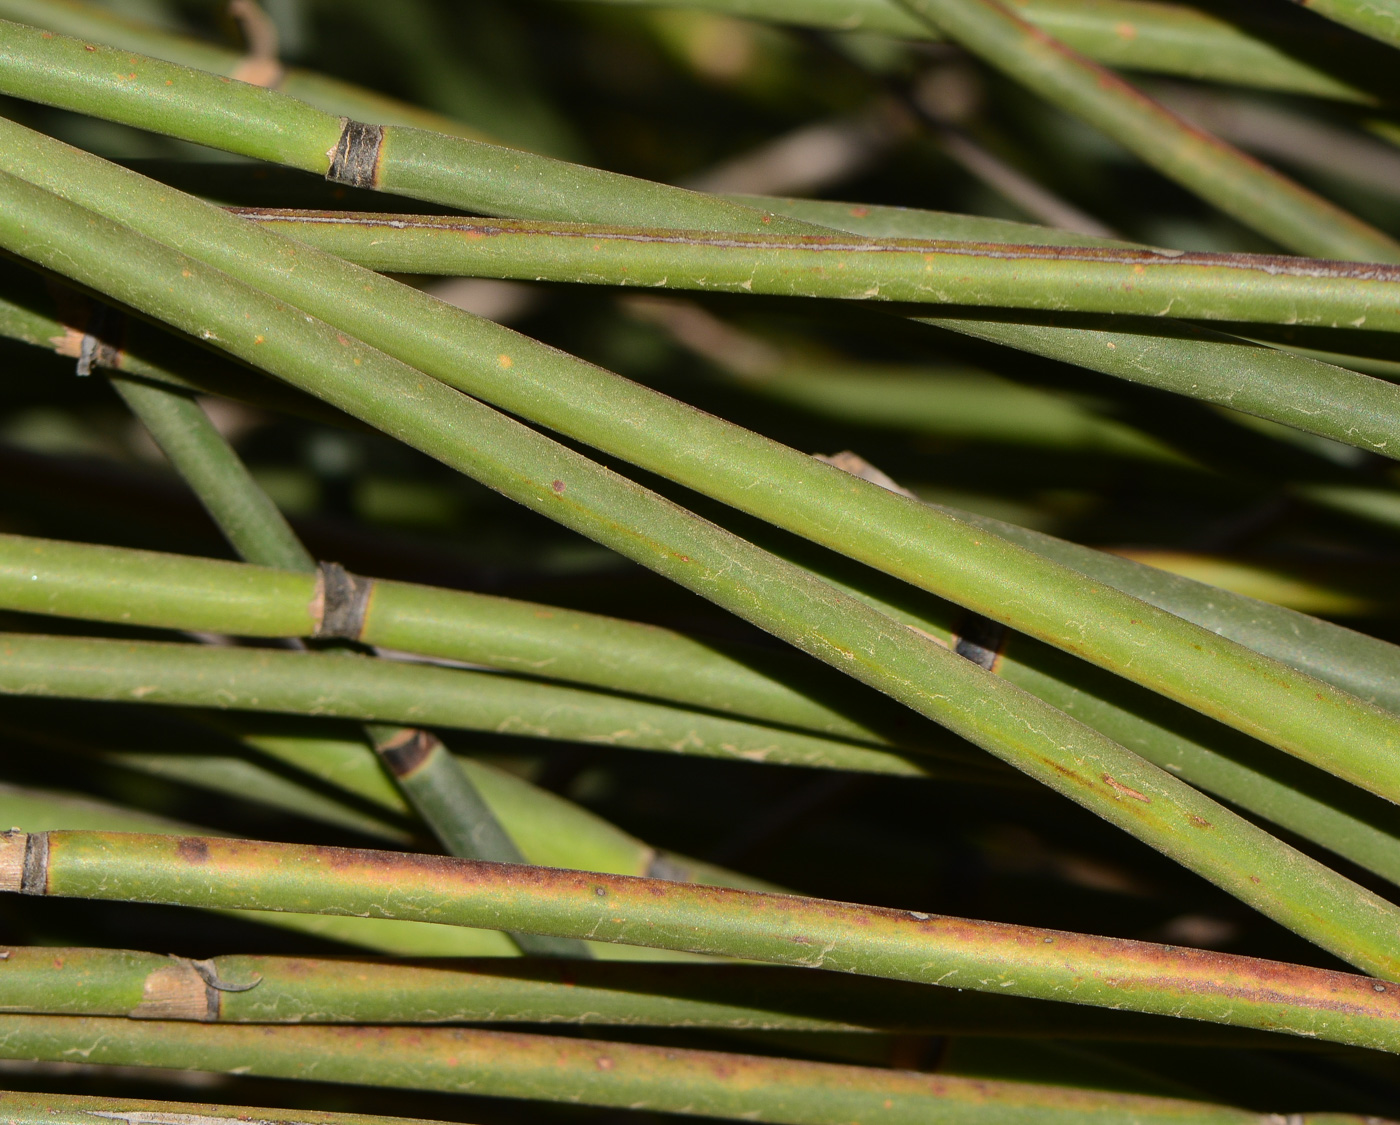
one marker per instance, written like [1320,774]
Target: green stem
[111,982]
[86,21]
[207,463]
[98,583]
[236,117]
[437,788]
[1343,405]
[1239,185]
[1243,45]
[146,588]
[1272,289]
[591,1072]
[37,810]
[967,565]
[778,929]
[29,1108]
[336,685]
[786,601]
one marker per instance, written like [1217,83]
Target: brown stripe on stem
[1271,264]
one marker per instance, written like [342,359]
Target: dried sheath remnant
[344,600]
[355,158]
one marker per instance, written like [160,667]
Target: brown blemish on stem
[176,992]
[1125,790]
[193,850]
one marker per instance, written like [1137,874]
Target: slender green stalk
[1363,665]
[1240,186]
[1336,403]
[549,190]
[87,21]
[207,463]
[146,588]
[964,564]
[1085,279]
[150,588]
[785,600]
[1241,45]
[30,1108]
[437,788]
[111,982]
[37,810]
[779,929]
[335,685]
[236,117]
[1379,19]
[592,1072]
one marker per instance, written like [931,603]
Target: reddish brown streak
[1271,264]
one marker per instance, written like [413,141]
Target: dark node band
[355,160]
[345,600]
[102,340]
[979,639]
[407,751]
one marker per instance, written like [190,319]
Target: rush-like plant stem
[785,600]
[113,982]
[1091,279]
[339,686]
[966,565]
[145,588]
[778,929]
[87,21]
[1239,185]
[575,192]
[436,786]
[30,1108]
[1343,405]
[1247,47]
[37,810]
[250,120]
[592,1072]
[842,630]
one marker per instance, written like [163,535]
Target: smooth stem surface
[31,1108]
[113,982]
[1238,184]
[779,929]
[548,190]
[87,21]
[1040,740]
[236,117]
[437,788]
[1248,46]
[1275,289]
[216,474]
[1343,405]
[147,588]
[100,583]
[38,810]
[591,1072]
[341,686]
[945,556]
